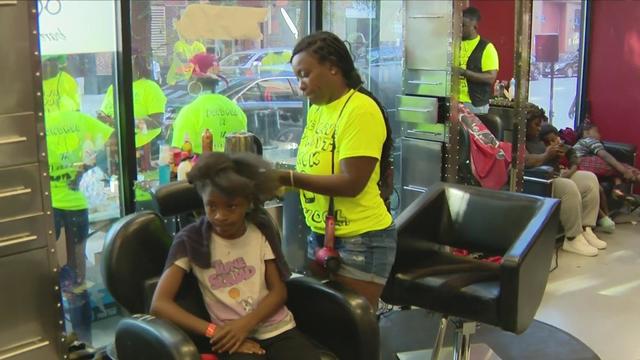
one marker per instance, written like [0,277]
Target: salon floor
[597,299]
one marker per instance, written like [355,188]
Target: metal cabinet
[30,305]
[428,54]
[421,168]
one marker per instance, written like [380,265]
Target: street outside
[564,93]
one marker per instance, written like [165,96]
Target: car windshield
[236,59]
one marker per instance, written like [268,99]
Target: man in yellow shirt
[478,66]
[59,88]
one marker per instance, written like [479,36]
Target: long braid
[328,47]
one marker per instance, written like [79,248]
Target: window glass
[193,49]
[556,48]
[78,60]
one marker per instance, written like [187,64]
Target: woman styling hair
[344,150]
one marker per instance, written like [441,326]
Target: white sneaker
[593,240]
[579,246]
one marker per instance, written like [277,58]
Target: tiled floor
[598,299]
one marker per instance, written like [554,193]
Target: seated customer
[578,194]
[234,252]
[594,158]
[567,165]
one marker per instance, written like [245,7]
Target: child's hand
[229,337]
[628,175]
[249,346]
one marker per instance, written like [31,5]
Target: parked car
[567,66]
[256,63]
[274,106]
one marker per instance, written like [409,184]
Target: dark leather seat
[339,321]
[518,227]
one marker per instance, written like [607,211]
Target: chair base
[478,352]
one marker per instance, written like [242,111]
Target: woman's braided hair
[328,47]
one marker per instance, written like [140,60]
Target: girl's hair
[237,175]
[328,47]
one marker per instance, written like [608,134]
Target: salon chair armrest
[537,181]
[527,262]
[335,317]
[145,336]
[625,153]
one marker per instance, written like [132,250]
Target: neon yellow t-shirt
[69,135]
[490,61]
[360,132]
[181,70]
[148,99]
[61,93]
[209,111]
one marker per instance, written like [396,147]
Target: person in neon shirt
[60,89]
[73,138]
[478,65]
[347,122]
[183,51]
[149,104]
[208,111]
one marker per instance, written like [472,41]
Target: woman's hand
[229,338]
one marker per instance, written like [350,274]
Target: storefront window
[373,32]
[239,50]
[78,68]
[556,52]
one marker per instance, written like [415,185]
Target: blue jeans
[367,257]
[77,306]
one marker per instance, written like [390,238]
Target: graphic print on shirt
[231,273]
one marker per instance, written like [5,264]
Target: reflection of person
[345,117]
[359,49]
[72,140]
[205,63]
[208,111]
[148,107]
[60,89]
[235,254]
[478,65]
[181,68]
[578,194]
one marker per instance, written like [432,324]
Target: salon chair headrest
[176,198]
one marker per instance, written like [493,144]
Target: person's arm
[533,160]
[229,337]
[164,306]
[604,155]
[352,179]
[488,77]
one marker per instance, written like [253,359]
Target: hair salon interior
[513,165]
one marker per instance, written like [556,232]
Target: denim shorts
[368,256]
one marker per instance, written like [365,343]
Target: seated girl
[235,254]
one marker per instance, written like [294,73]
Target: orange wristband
[211,329]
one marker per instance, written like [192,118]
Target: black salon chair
[518,227]
[340,322]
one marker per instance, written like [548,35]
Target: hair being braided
[329,48]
